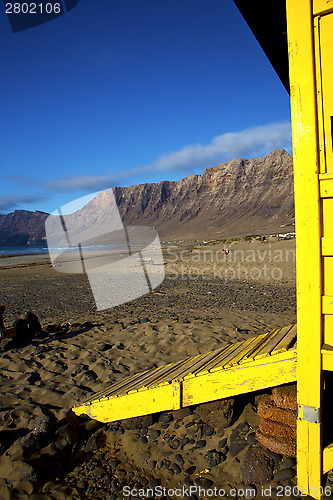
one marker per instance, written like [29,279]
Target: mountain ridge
[235,198]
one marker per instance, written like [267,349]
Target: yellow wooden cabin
[297,37]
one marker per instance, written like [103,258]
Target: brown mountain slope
[235,198]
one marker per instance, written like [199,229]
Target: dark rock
[237,441]
[184,441]
[53,328]
[166,464]
[189,424]
[188,482]
[143,320]
[284,474]
[203,482]
[144,440]
[143,480]
[217,414]
[201,443]
[191,441]
[99,472]
[256,467]
[33,323]
[104,346]
[87,324]
[176,468]
[179,460]
[151,465]
[225,450]
[182,413]
[251,439]
[64,437]
[95,442]
[288,463]
[153,483]
[207,430]
[154,434]
[22,330]
[175,444]
[166,418]
[275,456]
[214,458]
[119,473]
[34,377]
[190,470]
[92,425]
[222,443]
[41,348]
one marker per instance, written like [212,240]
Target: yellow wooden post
[308,243]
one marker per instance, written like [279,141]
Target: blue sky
[131,91]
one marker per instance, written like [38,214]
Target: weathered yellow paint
[327,357]
[320,6]
[327,304]
[108,409]
[170,387]
[303,99]
[268,372]
[328,459]
[328,330]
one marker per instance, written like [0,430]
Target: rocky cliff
[235,198]
[22,227]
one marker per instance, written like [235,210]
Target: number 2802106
[33,8]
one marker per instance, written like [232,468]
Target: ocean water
[4,251]
[23,250]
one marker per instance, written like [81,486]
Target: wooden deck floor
[263,361]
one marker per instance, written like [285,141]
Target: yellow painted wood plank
[257,346]
[307,167]
[328,330]
[272,371]
[286,342]
[201,363]
[213,362]
[155,377]
[327,304]
[320,111]
[129,384]
[320,6]
[139,403]
[224,360]
[111,389]
[266,349]
[327,246]
[175,373]
[249,346]
[327,358]
[326,188]
[328,458]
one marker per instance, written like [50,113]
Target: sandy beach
[207,299]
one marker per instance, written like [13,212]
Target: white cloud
[83,183]
[254,141]
[248,143]
[10,202]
